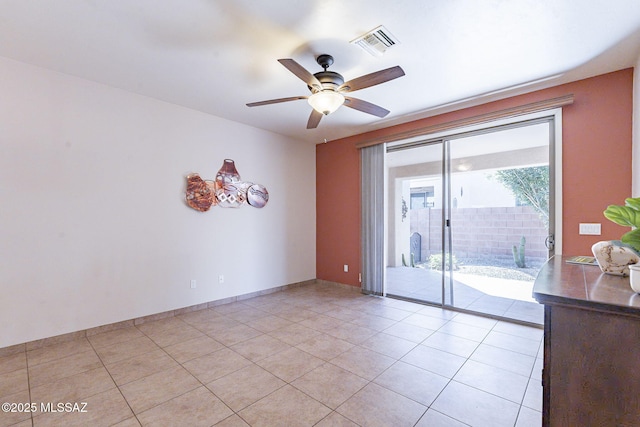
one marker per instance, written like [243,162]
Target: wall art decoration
[229,186]
[200,194]
[257,196]
[226,191]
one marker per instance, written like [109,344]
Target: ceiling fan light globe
[326,102]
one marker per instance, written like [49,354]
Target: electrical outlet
[220,278]
[590,229]
[346,268]
[193,283]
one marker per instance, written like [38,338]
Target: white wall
[93,224]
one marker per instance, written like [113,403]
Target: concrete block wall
[479,232]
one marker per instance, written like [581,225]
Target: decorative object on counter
[582,259]
[634,277]
[200,194]
[615,257]
[227,191]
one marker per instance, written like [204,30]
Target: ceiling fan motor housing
[329,80]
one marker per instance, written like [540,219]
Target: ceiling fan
[328,89]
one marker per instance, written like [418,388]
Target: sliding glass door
[415,216]
[469,219]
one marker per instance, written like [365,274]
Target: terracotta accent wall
[597,145]
[338,212]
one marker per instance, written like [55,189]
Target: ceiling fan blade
[301,73]
[365,107]
[314,119]
[275,101]
[372,79]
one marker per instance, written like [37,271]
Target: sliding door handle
[550,242]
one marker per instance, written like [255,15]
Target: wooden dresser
[591,373]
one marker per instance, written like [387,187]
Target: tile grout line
[325,362]
[114,382]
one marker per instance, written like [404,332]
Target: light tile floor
[314,355]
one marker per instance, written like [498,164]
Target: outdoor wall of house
[596,167]
[94,228]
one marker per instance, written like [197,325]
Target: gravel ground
[525,274]
[502,268]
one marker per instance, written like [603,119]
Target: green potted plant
[628,216]
[615,256]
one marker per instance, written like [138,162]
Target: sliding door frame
[553,118]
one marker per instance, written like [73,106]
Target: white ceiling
[217,55]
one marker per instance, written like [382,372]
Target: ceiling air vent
[376,41]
